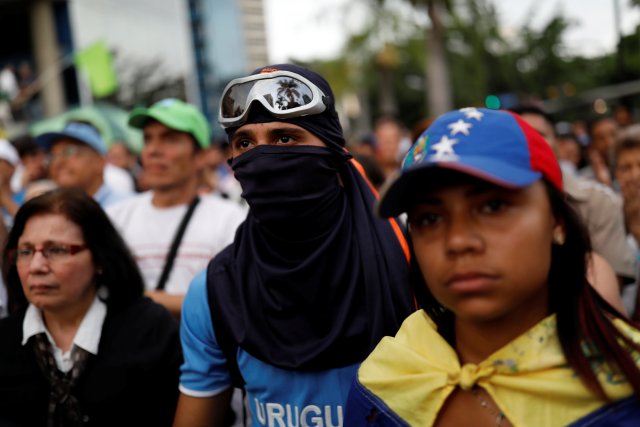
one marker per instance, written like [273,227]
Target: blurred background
[412,59]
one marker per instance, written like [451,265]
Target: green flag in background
[95,62]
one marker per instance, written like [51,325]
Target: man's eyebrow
[293,131]
[242,134]
[287,131]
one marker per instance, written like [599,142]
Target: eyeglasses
[53,252]
[283,93]
[68,151]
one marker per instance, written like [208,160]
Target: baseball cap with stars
[493,145]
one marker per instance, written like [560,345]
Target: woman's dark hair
[120,273]
[584,318]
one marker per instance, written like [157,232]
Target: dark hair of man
[120,274]
[583,316]
[25,145]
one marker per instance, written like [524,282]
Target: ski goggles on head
[284,94]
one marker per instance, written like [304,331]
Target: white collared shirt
[87,337]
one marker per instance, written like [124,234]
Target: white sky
[315,29]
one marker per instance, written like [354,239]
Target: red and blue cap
[493,145]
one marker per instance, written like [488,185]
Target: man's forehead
[154,127]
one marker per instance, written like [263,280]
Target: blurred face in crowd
[622,115]
[484,250]
[388,138]
[35,166]
[250,136]
[119,155]
[569,150]
[169,158]
[213,157]
[74,164]
[63,281]
[603,136]
[543,127]
[628,170]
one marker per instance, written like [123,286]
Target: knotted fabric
[529,378]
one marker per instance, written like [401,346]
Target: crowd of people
[479,269]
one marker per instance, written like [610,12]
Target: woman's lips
[41,288]
[471,282]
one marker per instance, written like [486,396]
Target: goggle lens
[281,93]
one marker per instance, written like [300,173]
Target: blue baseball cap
[493,145]
[78,131]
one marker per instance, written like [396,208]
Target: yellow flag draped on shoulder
[529,379]
[95,60]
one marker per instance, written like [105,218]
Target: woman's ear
[559,235]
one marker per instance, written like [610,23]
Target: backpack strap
[173,250]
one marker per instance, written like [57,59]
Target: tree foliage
[529,63]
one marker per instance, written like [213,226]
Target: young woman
[511,333]
[81,345]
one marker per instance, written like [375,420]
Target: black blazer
[133,381]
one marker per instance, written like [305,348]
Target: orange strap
[394,224]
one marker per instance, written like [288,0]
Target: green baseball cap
[175,114]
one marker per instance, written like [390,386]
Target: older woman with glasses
[81,345]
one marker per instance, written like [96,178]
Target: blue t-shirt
[277,397]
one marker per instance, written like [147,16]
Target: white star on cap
[460,127]
[444,147]
[472,113]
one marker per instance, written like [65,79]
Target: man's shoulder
[586,190]
[128,203]
[221,205]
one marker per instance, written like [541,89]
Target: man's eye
[285,140]
[424,220]
[495,205]
[243,143]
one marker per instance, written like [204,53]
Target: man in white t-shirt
[175,134]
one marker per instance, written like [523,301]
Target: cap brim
[396,195]
[46,140]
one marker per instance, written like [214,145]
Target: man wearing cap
[313,279]
[175,134]
[77,159]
